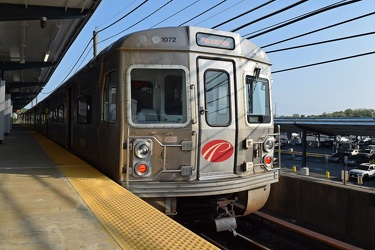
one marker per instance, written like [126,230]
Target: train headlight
[142,150]
[142,158]
[269,144]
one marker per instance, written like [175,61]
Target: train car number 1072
[169,39]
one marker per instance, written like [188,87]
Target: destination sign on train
[214,41]
[141,84]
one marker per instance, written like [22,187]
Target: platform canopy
[34,37]
[328,126]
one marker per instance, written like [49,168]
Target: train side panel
[110,116]
[178,115]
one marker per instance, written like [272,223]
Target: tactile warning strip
[133,223]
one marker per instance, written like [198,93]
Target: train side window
[258,100]
[60,113]
[52,114]
[84,110]
[109,100]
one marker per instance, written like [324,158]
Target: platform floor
[50,199]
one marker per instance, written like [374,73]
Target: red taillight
[267,160]
[142,168]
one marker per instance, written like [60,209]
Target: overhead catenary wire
[310,14]
[174,14]
[321,42]
[127,14]
[242,14]
[269,15]
[211,8]
[224,10]
[200,15]
[87,45]
[67,75]
[317,30]
[295,18]
[131,26]
[118,13]
[323,62]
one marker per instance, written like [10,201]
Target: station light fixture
[46,57]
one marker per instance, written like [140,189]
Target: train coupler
[225,219]
[225,224]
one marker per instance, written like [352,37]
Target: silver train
[180,116]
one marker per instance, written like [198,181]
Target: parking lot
[318,164]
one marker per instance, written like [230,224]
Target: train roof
[191,38]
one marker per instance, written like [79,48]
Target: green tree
[349,112]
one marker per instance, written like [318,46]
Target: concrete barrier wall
[348,212]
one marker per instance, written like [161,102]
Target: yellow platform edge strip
[133,223]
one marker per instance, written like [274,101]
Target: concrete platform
[51,199]
[39,209]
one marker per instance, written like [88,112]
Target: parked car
[283,141]
[344,139]
[358,159]
[365,170]
[326,144]
[354,151]
[369,151]
[336,157]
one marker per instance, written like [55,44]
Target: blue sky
[308,91]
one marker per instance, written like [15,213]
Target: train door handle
[202,110]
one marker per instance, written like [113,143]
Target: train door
[69,134]
[108,130]
[217,118]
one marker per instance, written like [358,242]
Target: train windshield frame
[258,107]
[158,96]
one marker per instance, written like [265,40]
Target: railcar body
[172,114]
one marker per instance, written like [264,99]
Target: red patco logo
[217,150]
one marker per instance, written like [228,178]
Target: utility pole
[275,110]
[95,41]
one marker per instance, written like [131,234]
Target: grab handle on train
[202,110]
[192,100]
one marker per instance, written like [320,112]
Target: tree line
[361,113]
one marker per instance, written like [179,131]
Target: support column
[304,169]
[304,142]
[7,114]
[2,110]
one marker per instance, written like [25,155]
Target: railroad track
[263,231]
[287,235]
[231,240]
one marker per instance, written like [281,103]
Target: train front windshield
[158,96]
[258,100]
